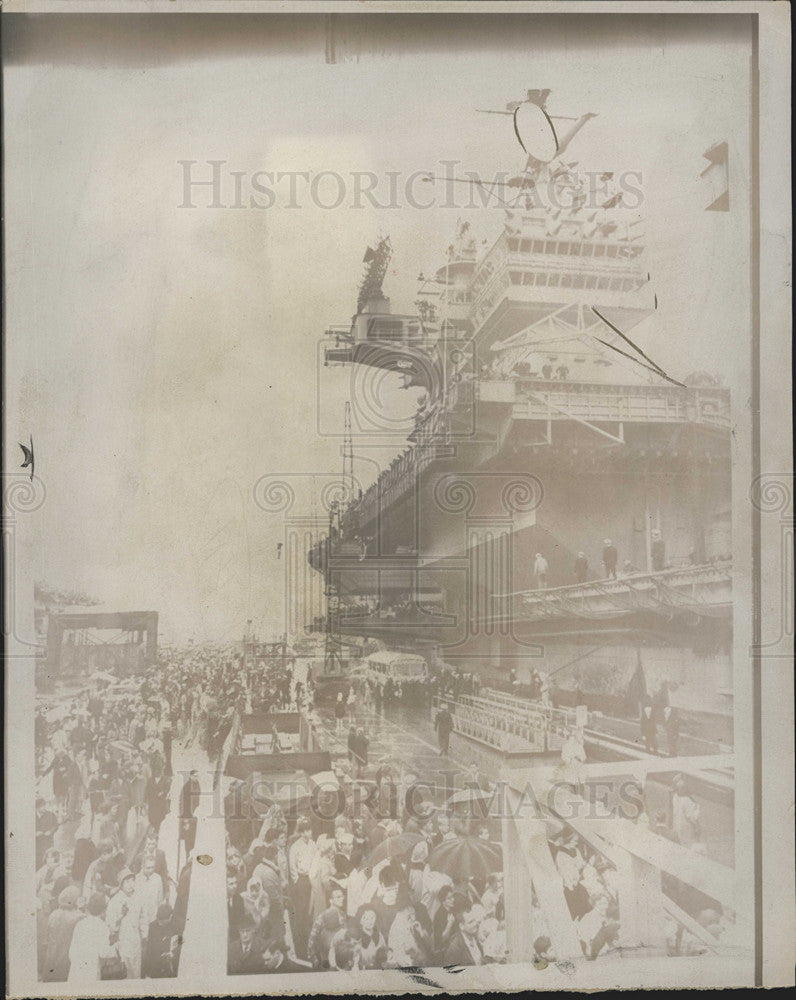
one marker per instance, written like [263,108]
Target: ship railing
[544,399]
[528,706]
[523,710]
[489,265]
[395,481]
[673,587]
[495,727]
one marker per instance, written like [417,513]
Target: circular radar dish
[535,132]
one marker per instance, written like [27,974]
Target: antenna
[348,455]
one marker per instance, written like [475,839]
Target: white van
[398,666]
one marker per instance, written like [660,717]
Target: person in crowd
[444,923]
[359,757]
[46,825]
[149,890]
[595,930]
[610,559]
[162,945]
[151,849]
[90,944]
[649,727]
[581,568]
[321,871]
[300,857]
[124,919]
[190,797]
[372,943]
[235,905]
[671,726]
[106,867]
[443,724]
[339,713]
[686,819]
[324,928]
[463,948]
[409,942]
[157,798]
[492,898]
[245,952]
[494,948]
[60,928]
[344,951]
[256,903]
[276,959]
[267,873]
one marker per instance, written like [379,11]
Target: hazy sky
[165,358]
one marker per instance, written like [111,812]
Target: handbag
[113,968]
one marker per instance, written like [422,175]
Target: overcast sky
[165,358]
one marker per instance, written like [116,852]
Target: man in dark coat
[245,951]
[157,798]
[162,946]
[359,752]
[235,906]
[189,802]
[444,726]
[464,948]
[610,558]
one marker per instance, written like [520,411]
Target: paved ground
[401,737]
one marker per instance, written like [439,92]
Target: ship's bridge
[527,276]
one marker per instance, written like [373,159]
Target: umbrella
[466,857]
[393,847]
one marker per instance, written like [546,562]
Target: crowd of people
[108,907]
[384,884]
[387,879]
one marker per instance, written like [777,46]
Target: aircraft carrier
[545,428]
